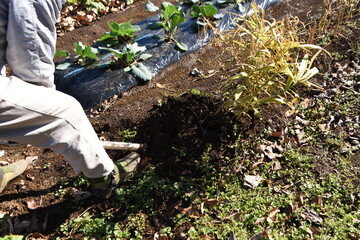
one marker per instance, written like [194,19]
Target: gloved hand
[9,172]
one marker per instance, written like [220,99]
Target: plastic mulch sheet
[92,84]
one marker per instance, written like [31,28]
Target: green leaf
[79,48]
[156,36]
[141,71]
[90,52]
[195,11]
[169,10]
[114,51]
[161,24]
[106,36]
[176,19]
[208,10]
[150,7]
[13,237]
[128,57]
[61,53]
[182,46]
[120,31]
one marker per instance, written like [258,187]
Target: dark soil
[162,112]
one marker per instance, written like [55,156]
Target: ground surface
[158,111]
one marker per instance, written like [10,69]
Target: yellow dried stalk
[270,60]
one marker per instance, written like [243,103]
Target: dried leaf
[277,134]
[32,204]
[272,215]
[160,85]
[276,165]
[236,216]
[189,211]
[322,127]
[30,177]
[308,230]
[290,209]
[305,103]
[269,151]
[318,200]
[211,202]
[252,181]
[259,220]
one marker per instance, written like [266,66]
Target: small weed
[195,91]
[127,135]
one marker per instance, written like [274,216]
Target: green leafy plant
[171,17]
[204,14]
[130,58]
[61,53]
[85,53]
[119,33]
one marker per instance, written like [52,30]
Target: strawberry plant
[130,58]
[119,33]
[85,53]
[171,17]
[204,14]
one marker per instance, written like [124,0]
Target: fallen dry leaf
[269,151]
[159,85]
[211,202]
[272,215]
[290,209]
[318,200]
[32,204]
[189,211]
[252,181]
[30,177]
[236,216]
[259,220]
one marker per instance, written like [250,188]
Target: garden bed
[178,115]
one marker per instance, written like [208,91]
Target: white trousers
[47,118]
[31,110]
